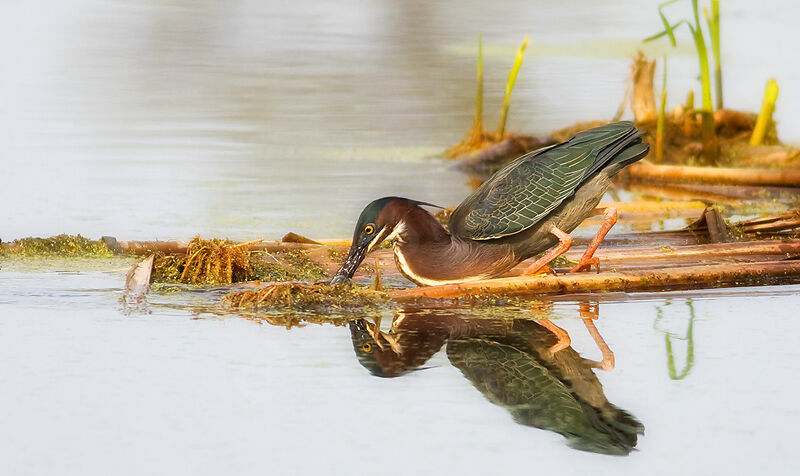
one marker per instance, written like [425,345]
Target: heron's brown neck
[428,255]
[416,226]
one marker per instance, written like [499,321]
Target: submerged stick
[765,116]
[512,78]
[736,176]
[688,277]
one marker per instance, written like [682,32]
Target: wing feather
[527,189]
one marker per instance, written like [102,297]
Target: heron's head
[379,358]
[381,220]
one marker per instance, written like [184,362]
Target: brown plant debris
[292,237]
[643,101]
[214,261]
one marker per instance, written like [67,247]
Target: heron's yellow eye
[369,229]
[367,347]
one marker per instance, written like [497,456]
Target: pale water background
[248,119]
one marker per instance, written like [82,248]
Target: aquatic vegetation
[215,261]
[60,245]
[710,147]
[219,261]
[302,296]
[713,29]
[478,139]
[682,142]
[512,78]
[292,265]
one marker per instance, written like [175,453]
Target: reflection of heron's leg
[564,242]
[608,356]
[588,259]
[563,338]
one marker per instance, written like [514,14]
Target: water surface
[159,120]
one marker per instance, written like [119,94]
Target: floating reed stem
[710,251]
[512,78]
[765,116]
[721,175]
[684,277]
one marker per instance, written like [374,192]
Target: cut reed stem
[765,116]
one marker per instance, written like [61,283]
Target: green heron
[513,363]
[528,206]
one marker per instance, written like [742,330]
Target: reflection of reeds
[765,116]
[512,78]
[673,374]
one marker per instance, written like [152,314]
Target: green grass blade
[478,122]
[512,78]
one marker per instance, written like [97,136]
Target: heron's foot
[608,361]
[586,265]
[606,364]
[564,242]
[588,259]
[544,269]
[563,337]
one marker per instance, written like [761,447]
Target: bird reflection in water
[524,365]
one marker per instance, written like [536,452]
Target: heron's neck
[420,227]
[428,255]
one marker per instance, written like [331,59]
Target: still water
[159,120]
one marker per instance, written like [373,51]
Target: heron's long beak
[356,255]
[350,264]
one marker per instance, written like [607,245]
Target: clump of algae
[212,261]
[306,297]
[61,245]
[219,261]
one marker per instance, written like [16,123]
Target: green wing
[515,379]
[526,190]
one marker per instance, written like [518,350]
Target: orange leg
[588,259]
[564,242]
[589,314]
[563,338]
